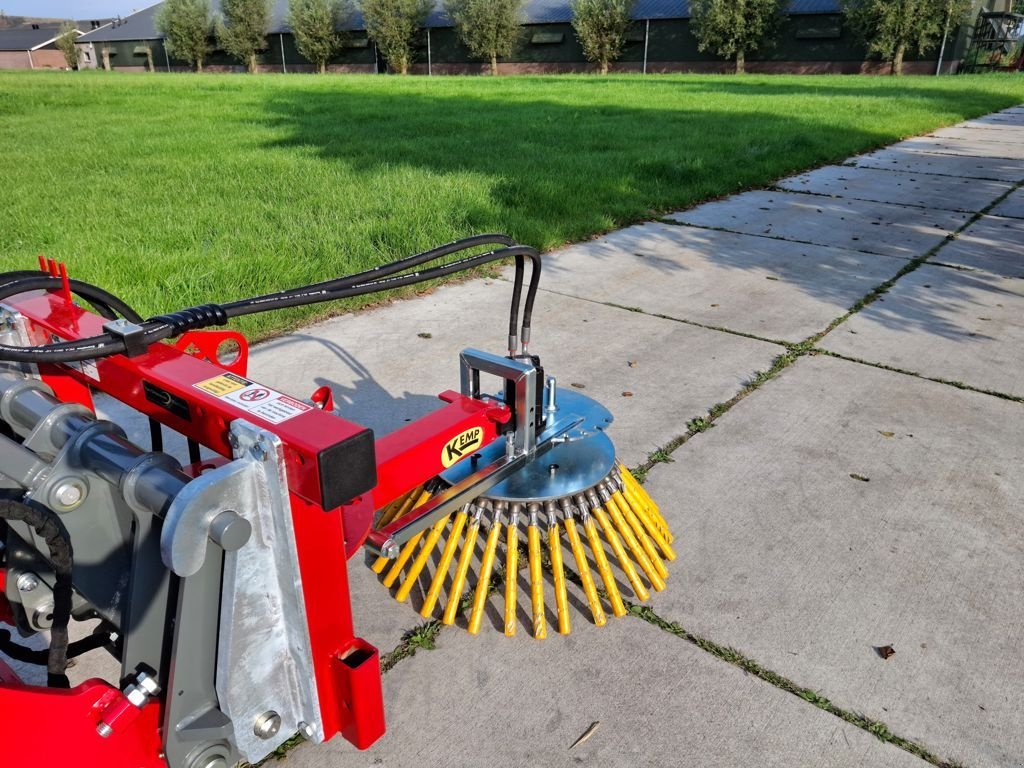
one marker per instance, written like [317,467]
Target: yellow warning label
[219,386]
[461,445]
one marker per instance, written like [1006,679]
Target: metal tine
[657,532]
[616,498]
[512,569]
[555,545]
[616,544]
[465,557]
[645,503]
[618,608]
[632,543]
[589,588]
[486,567]
[536,576]
[454,536]
[421,559]
[416,497]
[408,548]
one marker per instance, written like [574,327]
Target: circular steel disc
[566,469]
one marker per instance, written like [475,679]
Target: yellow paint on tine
[402,559]
[421,559]
[511,573]
[633,544]
[641,534]
[465,557]
[644,499]
[536,578]
[561,596]
[624,562]
[603,568]
[398,509]
[618,608]
[589,589]
[655,532]
[484,584]
[430,600]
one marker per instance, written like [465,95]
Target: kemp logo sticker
[461,445]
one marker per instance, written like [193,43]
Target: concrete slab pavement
[892,159]
[841,508]
[1013,117]
[992,243]
[965,147]
[758,285]
[946,324]
[974,132]
[1013,205]
[884,186]
[888,230]
[657,700]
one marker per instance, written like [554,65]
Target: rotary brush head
[576,498]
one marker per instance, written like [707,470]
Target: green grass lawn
[173,190]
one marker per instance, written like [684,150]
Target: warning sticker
[260,401]
[223,385]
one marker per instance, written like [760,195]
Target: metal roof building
[142,25]
[31,46]
[813,38]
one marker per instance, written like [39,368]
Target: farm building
[31,46]
[814,39]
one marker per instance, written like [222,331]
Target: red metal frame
[50,726]
[346,667]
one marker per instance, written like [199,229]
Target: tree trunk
[199,65]
[323,68]
[149,60]
[402,66]
[494,65]
[897,60]
[252,63]
[604,67]
[741,63]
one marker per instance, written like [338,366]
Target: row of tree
[890,28]
[491,29]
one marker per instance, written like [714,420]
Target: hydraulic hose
[375,280]
[50,528]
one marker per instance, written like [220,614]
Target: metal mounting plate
[582,457]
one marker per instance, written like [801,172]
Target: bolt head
[42,617]
[69,495]
[27,582]
[267,725]
[147,683]
[307,730]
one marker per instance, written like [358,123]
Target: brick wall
[14,60]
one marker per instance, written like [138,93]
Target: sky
[72,9]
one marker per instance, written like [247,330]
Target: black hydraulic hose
[167,326]
[317,296]
[34,281]
[513,312]
[50,528]
[531,296]
[415,260]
